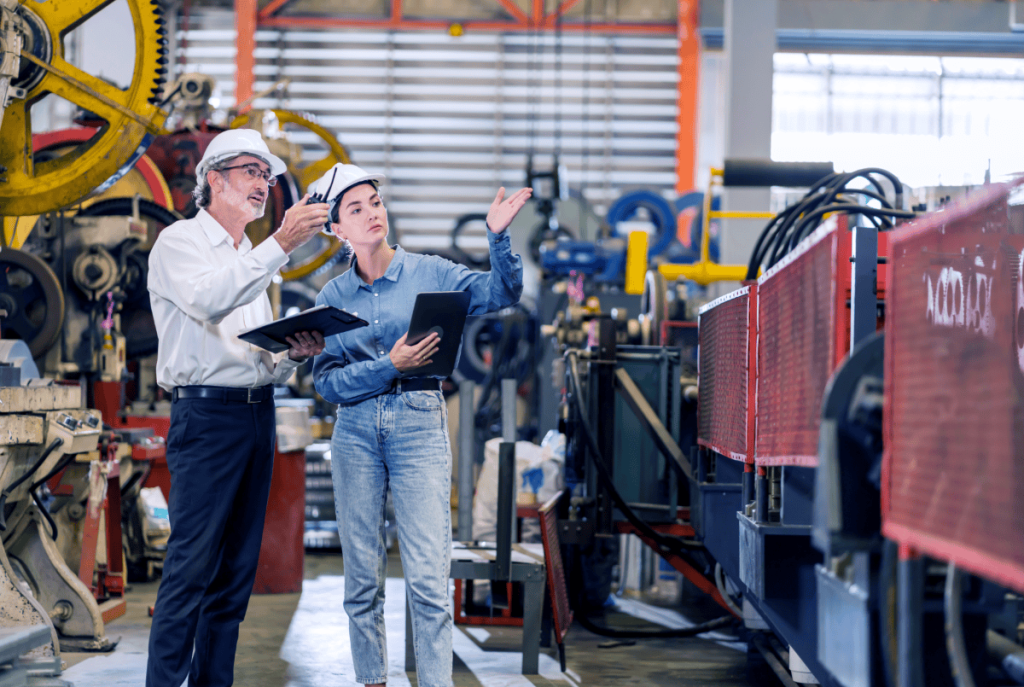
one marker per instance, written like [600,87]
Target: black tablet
[443,312]
[325,319]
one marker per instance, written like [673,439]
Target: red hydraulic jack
[105,580]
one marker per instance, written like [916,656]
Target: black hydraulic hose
[866,173]
[46,514]
[776,250]
[709,626]
[28,473]
[665,544]
[813,217]
[765,238]
[797,237]
[61,464]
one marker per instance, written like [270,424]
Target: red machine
[953,475]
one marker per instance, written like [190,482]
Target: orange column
[245,46]
[689,70]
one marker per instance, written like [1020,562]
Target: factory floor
[301,640]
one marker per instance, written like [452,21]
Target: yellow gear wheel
[322,249]
[132,116]
[310,172]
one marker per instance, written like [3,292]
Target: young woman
[392,426]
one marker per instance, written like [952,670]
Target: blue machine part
[691,253]
[583,257]
[662,216]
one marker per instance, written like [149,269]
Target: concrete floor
[293,640]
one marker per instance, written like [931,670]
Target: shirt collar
[352,282]
[217,234]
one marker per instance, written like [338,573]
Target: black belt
[414,384]
[227,394]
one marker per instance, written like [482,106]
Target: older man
[207,284]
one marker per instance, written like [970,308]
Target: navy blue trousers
[221,459]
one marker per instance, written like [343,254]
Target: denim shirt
[356,365]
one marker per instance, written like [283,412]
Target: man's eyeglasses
[253,172]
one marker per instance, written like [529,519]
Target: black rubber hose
[765,239]
[61,464]
[796,238]
[46,514]
[774,251]
[665,544]
[28,473]
[811,218]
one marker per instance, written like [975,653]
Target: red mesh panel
[722,360]
[953,476]
[795,350]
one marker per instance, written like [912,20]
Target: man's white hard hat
[229,144]
[331,186]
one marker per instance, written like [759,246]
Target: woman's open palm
[502,213]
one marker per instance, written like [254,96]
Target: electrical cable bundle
[832,194]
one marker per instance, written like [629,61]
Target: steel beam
[689,90]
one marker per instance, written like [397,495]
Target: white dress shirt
[204,292]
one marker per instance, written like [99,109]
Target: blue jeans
[399,440]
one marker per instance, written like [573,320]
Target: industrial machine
[841,471]
[62,475]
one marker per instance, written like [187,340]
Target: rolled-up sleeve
[494,290]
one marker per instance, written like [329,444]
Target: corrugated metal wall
[451,119]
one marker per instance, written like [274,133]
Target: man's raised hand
[301,223]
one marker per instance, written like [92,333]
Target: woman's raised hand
[406,357]
[501,213]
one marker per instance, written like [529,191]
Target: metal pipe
[508,410]
[508,436]
[956,647]
[761,513]
[506,505]
[467,457]
[910,618]
[1007,654]
[748,483]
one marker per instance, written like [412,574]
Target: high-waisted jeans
[401,441]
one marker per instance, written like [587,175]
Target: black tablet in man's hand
[325,319]
[443,312]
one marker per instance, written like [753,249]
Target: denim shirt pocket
[423,400]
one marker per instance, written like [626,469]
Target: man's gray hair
[201,193]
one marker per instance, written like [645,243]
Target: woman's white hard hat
[331,186]
[230,144]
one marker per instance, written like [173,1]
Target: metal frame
[249,17]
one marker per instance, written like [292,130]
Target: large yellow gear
[310,172]
[132,116]
[325,248]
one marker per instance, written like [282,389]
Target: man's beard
[238,199]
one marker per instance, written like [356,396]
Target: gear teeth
[162,60]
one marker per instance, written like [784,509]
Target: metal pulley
[95,271]
[33,299]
